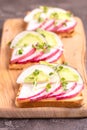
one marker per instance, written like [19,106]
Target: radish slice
[47,55]
[54,88]
[58,25]
[38,97]
[70,86]
[69,25]
[33,25]
[48,24]
[46,69]
[31,58]
[26,52]
[28,91]
[55,57]
[72,93]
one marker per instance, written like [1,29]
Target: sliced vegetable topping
[42,46]
[30,46]
[21,53]
[46,81]
[36,77]
[49,18]
[26,38]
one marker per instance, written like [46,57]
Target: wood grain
[74,52]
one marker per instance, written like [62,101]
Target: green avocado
[37,76]
[68,74]
[60,15]
[49,36]
[29,38]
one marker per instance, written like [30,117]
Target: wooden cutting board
[74,52]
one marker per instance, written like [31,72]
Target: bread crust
[77,101]
[17,66]
[70,103]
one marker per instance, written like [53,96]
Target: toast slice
[40,46]
[57,20]
[17,66]
[69,103]
[66,90]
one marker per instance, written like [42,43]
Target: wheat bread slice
[69,103]
[25,65]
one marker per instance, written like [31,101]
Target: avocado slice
[37,76]
[69,74]
[30,38]
[61,15]
[50,37]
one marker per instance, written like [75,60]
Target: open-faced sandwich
[52,19]
[46,81]
[30,47]
[49,85]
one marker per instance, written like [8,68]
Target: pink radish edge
[66,29]
[64,92]
[45,95]
[46,57]
[69,95]
[31,59]
[22,57]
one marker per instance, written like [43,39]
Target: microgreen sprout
[63,83]
[20,51]
[43,46]
[48,86]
